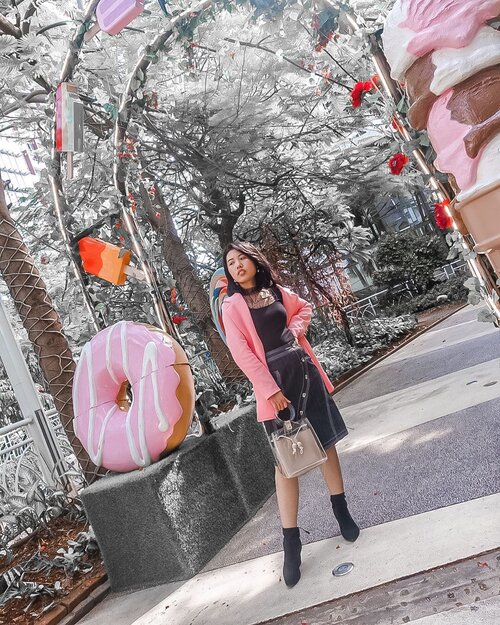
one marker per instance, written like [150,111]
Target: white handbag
[296,447]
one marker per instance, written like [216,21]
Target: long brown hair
[265,277]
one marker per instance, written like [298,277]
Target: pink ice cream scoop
[415,28]
[447,136]
[446,23]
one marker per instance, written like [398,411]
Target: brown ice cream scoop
[418,85]
[476,102]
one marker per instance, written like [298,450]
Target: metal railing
[22,470]
[371,305]
[14,438]
[451,270]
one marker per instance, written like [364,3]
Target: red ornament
[397,163]
[358,91]
[152,99]
[44,259]
[177,319]
[133,203]
[441,215]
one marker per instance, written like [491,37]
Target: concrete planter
[164,523]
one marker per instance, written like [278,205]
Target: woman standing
[265,325]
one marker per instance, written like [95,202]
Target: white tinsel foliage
[243,105]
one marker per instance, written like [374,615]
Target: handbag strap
[293,414]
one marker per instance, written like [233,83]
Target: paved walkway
[421,469]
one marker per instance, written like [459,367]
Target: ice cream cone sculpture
[69,122]
[106,261]
[114,15]
[448,54]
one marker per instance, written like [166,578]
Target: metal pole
[40,430]
[390,88]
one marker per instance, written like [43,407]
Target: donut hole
[124,396]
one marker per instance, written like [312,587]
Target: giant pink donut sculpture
[116,435]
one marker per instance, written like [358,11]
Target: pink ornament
[69,119]
[447,136]
[115,15]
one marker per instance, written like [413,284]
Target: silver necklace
[259,298]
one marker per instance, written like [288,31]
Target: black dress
[296,375]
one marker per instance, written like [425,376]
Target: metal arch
[55,177]
[139,75]
[57,189]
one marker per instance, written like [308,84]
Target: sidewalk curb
[303,615]
[355,376]
[78,602]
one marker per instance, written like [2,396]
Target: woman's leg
[287,492]
[332,473]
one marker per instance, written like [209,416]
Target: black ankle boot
[348,527]
[292,560]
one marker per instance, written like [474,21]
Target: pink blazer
[247,349]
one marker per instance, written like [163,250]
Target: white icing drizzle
[100,443]
[109,363]
[150,357]
[123,339]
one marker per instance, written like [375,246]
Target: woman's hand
[279,401]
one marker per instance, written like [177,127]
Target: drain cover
[343,569]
